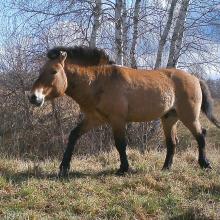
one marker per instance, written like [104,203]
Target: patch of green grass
[3,182]
[171,204]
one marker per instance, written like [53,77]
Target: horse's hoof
[121,172]
[166,167]
[63,173]
[205,164]
[204,131]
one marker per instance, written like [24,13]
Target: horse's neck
[79,84]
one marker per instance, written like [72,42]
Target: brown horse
[108,93]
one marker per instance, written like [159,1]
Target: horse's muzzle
[36,100]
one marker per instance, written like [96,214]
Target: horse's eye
[54,72]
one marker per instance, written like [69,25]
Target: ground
[31,189]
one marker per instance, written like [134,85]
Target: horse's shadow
[25,175]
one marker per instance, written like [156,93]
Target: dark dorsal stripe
[81,55]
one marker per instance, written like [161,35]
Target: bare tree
[176,41]
[118,32]
[165,33]
[125,27]
[135,33]
[96,23]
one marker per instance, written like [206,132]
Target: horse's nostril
[36,100]
[33,98]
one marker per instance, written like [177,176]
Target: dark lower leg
[121,147]
[203,161]
[170,132]
[170,153]
[65,164]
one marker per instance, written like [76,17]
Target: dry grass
[31,189]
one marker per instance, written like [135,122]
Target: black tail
[207,104]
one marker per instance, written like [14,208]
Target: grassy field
[31,189]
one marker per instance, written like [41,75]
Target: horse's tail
[207,104]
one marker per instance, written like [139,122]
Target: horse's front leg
[84,126]
[121,143]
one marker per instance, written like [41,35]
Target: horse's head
[52,81]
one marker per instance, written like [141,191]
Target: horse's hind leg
[203,161]
[188,107]
[199,134]
[169,122]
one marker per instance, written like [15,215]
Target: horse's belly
[149,105]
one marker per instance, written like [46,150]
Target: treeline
[139,34]
[214,86]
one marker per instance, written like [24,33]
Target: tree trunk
[125,27]
[165,34]
[176,41]
[97,14]
[118,32]
[135,34]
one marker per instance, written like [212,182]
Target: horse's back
[148,94]
[140,95]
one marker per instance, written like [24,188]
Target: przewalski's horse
[108,93]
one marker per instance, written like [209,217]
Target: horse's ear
[62,56]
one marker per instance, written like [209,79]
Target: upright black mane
[82,55]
